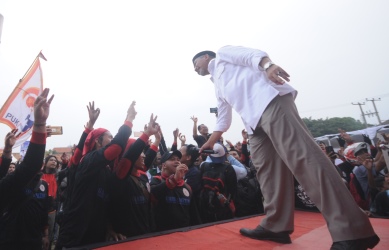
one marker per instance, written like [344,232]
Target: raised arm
[32,162]
[6,157]
[194,119]
[182,139]
[93,114]
[175,135]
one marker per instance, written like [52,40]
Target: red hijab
[91,140]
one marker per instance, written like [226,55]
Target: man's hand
[277,75]
[131,113]
[158,138]
[194,119]
[93,115]
[152,127]
[207,145]
[10,139]
[245,135]
[115,236]
[182,138]
[181,170]
[343,134]
[230,143]
[368,163]
[9,142]
[42,107]
[175,133]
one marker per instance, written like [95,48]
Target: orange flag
[18,110]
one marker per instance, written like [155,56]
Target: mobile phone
[55,130]
[138,133]
[213,110]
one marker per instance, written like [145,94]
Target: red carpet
[310,233]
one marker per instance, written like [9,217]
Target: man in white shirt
[281,146]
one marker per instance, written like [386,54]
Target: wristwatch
[268,65]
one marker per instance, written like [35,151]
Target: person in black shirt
[172,197]
[86,221]
[131,206]
[23,221]
[203,130]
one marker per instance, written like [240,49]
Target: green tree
[331,125]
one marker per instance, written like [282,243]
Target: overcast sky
[114,52]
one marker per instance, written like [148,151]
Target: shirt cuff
[38,138]
[128,124]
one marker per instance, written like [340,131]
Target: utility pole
[376,112]
[363,115]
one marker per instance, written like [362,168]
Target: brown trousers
[281,147]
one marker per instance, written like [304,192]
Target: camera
[213,110]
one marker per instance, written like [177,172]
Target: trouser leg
[276,183]
[313,170]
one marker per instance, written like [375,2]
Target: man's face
[198,161]
[234,154]
[11,168]
[51,163]
[201,65]
[157,160]
[362,156]
[185,158]
[203,129]
[171,164]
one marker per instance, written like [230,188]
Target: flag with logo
[18,110]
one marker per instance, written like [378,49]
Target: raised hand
[175,133]
[229,143]
[10,139]
[158,137]
[244,134]
[42,108]
[93,115]
[131,113]
[152,127]
[194,119]
[9,142]
[182,138]
[343,134]
[367,163]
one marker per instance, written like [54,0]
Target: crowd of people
[114,187]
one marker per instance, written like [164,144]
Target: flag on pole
[18,110]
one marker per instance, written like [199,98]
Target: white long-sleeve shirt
[241,84]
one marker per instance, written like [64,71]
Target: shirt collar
[211,67]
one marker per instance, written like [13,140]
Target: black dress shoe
[261,233]
[358,244]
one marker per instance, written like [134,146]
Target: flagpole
[31,65]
